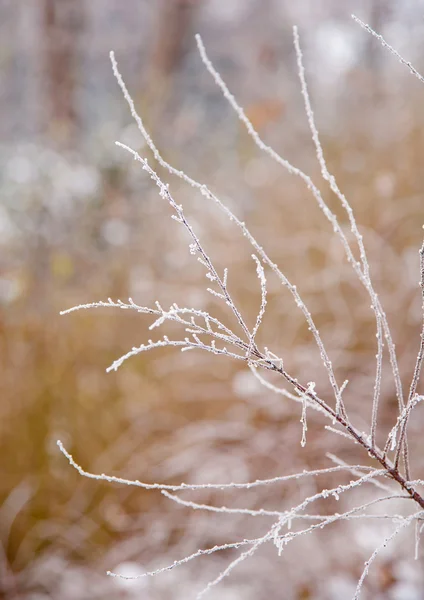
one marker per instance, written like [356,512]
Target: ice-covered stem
[383,42]
[293,515]
[401,423]
[175,313]
[177,563]
[363,274]
[402,523]
[373,451]
[420,356]
[355,469]
[413,398]
[196,246]
[262,280]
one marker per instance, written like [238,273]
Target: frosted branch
[403,522]
[389,47]
[205,486]
[362,273]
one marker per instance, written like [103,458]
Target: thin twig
[418,363]
[390,48]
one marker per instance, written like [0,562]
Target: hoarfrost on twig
[403,522]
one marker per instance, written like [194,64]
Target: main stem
[375,452]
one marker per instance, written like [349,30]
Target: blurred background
[80,221]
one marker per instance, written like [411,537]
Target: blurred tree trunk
[63,24]
[372,56]
[173,35]
[174,23]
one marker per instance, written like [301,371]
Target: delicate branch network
[203,331]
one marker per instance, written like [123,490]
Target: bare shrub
[229,333]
